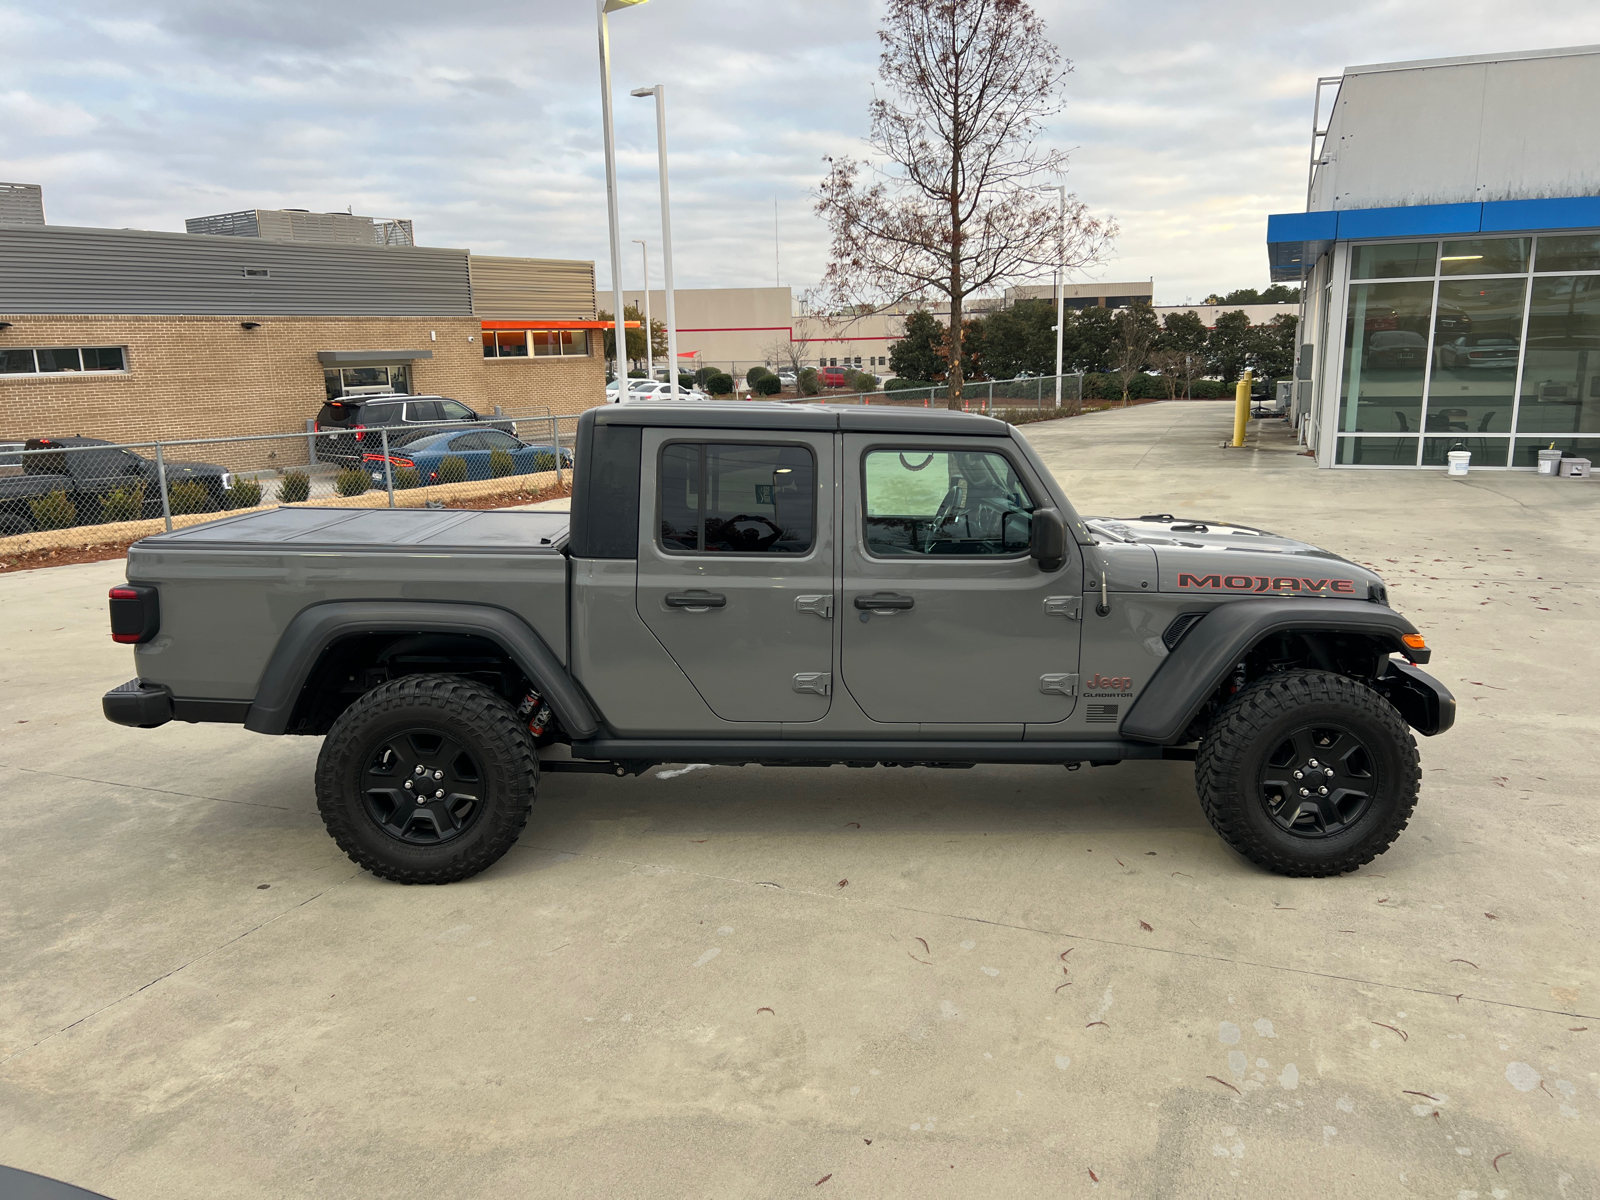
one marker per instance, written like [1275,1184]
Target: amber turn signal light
[1414,640]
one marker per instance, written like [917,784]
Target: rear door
[946,619]
[737,568]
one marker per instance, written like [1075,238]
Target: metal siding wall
[1513,129]
[60,270]
[512,288]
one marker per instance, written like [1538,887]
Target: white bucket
[1460,461]
[1549,461]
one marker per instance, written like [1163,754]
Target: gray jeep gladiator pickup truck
[784,585]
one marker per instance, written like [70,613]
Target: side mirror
[1047,539]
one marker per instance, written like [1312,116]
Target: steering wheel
[756,542]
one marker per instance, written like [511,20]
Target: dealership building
[1450,252]
[247,328]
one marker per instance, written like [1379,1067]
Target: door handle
[885,602]
[696,601]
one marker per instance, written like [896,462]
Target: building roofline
[1471,59]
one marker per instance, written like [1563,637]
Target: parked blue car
[472,447]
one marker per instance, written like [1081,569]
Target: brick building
[133,335]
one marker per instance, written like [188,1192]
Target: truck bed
[230,587]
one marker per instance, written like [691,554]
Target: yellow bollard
[1241,408]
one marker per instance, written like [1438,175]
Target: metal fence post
[555,437]
[388,465]
[161,482]
[311,441]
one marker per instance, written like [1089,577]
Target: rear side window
[422,410]
[454,410]
[961,502]
[737,499]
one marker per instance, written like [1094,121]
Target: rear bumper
[139,705]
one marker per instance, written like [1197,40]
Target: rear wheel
[1308,773]
[427,779]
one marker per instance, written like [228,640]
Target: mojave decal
[1264,583]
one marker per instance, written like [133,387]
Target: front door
[946,619]
[736,567]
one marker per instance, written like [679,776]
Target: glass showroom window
[559,342]
[58,360]
[506,343]
[1560,393]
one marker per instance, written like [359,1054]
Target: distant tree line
[1126,343]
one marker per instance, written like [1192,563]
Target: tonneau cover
[388,529]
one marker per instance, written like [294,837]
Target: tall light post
[649,360]
[1061,280]
[602,7]
[659,94]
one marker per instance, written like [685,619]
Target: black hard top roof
[755,414]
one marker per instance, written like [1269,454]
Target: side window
[737,499]
[422,410]
[380,414]
[951,502]
[454,410]
[469,441]
[498,439]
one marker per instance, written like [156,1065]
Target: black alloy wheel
[427,779]
[1308,773]
[1318,782]
[423,787]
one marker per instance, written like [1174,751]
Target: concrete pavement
[771,982]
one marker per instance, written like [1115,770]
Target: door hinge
[1058,685]
[1070,607]
[822,606]
[819,682]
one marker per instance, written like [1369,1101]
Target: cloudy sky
[1188,122]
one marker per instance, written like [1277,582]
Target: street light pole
[649,359]
[1061,279]
[602,7]
[659,94]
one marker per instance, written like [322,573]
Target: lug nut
[1299,775]
[1305,791]
[438,774]
[408,785]
[418,771]
[1328,771]
[1313,763]
[439,795]
[1322,791]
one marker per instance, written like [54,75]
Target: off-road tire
[1234,755]
[471,715]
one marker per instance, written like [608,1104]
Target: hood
[1221,558]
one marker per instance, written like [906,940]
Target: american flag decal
[1102,714]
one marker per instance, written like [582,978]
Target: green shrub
[54,511]
[294,488]
[452,470]
[188,496]
[686,382]
[768,385]
[705,373]
[864,381]
[906,385]
[123,503]
[544,461]
[352,481]
[810,383]
[720,384]
[407,477]
[638,375]
[245,493]
[501,463]
[754,375]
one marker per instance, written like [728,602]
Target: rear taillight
[135,614]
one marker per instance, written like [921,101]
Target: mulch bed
[61,556]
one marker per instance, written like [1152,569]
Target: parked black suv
[363,416]
[98,481]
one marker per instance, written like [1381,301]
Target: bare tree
[786,352]
[1136,331]
[949,207]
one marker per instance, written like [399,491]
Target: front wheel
[1308,773]
[427,779]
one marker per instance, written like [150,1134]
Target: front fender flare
[1189,675]
[316,628]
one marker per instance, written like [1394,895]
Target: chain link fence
[71,493]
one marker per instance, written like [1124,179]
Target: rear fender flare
[1194,670]
[318,627]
